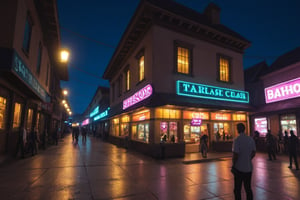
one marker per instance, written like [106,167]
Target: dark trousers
[239,179]
[271,152]
[293,155]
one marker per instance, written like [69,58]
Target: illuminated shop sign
[196,122]
[220,116]
[102,115]
[141,117]
[85,122]
[211,92]
[94,112]
[282,91]
[261,125]
[25,74]
[139,96]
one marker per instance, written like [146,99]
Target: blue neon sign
[211,92]
[94,112]
[102,115]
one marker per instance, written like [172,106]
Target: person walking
[293,147]
[203,145]
[271,145]
[22,140]
[244,150]
[286,142]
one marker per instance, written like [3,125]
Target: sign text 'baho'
[139,96]
[211,92]
[282,91]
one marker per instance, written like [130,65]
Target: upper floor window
[39,59]
[127,75]
[183,58]
[142,68]
[224,68]
[27,34]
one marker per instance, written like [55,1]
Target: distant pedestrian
[84,133]
[286,142]
[203,145]
[271,145]
[244,150]
[33,140]
[293,147]
[22,140]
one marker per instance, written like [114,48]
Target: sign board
[139,96]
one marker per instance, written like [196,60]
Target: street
[100,170]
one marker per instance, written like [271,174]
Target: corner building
[178,74]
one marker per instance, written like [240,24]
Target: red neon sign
[139,96]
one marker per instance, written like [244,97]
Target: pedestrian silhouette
[271,145]
[293,146]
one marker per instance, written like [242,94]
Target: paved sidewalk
[96,170]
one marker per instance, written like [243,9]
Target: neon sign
[282,91]
[139,96]
[211,92]
[102,115]
[196,122]
[94,112]
[85,122]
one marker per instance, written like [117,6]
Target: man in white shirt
[244,150]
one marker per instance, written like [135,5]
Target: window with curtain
[127,80]
[141,68]
[183,60]
[2,112]
[224,69]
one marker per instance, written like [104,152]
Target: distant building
[96,115]
[175,75]
[275,94]
[30,73]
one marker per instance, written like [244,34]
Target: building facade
[177,74]
[274,92]
[30,73]
[96,116]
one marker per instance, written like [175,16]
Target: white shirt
[244,145]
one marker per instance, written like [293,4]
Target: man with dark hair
[244,150]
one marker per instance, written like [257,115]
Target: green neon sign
[211,92]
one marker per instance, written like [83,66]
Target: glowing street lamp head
[64,56]
[65,92]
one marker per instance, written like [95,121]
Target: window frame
[229,59]
[138,57]
[127,79]
[189,47]
[27,34]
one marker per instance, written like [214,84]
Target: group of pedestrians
[75,134]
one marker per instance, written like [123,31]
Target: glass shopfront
[169,131]
[140,126]
[2,112]
[125,125]
[288,123]
[115,127]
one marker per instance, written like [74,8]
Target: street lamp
[65,92]
[64,56]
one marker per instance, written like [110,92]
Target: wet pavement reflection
[99,170]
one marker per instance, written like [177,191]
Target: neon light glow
[94,112]
[85,122]
[102,115]
[282,91]
[261,125]
[196,122]
[139,96]
[211,92]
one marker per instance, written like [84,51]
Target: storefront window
[125,125]
[29,118]
[168,132]
[222,132]
[288,123]
[167,113]
[239,117]
[2,112]
[192,134]
[17,115]
[140,129]
[261,125]
[115,127]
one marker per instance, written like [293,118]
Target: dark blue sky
[91,29]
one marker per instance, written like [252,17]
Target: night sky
[91,30]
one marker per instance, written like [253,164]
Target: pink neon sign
[286,90]
[139,96]
[85,122]
[196,122]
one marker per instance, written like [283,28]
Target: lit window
[141,68]
[224,69]
[127,80]
[183,60]
[27,35]
[29,118]
[2,112]
[17,115]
